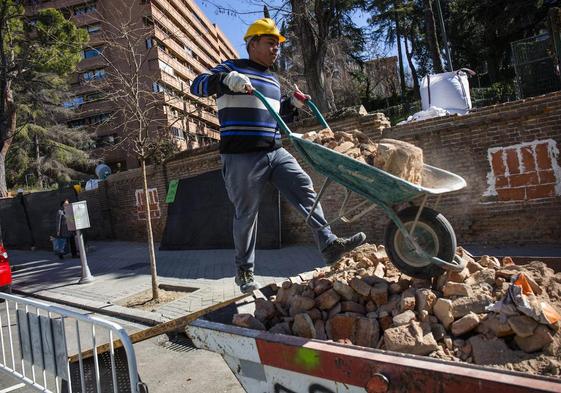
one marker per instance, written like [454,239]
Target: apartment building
[180,43]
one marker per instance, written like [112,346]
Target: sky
[235,26]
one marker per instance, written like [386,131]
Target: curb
[113,310]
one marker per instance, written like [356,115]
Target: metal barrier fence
[36,339]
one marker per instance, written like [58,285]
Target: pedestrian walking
[63,232]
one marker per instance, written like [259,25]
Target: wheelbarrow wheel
[433,233]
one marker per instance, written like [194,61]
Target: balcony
[162,19]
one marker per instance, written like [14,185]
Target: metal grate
[534,66]
[178,343]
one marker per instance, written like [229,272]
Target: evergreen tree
[43,43]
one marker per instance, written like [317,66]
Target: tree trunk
[400,55]
[432,39]
[38,163]
[150,235]
[7,134]
[409,54]
[313,54]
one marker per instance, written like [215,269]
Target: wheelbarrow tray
[268,362]
[370,182]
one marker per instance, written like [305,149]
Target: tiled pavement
[121,269]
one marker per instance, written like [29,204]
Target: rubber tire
[443,230]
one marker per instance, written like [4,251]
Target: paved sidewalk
[121,269]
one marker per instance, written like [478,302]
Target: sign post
[77,218]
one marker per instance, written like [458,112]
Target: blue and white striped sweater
[245,124]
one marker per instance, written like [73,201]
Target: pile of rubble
[364,300]
[399,158]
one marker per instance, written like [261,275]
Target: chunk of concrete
[465,324]
[443,311]
[412,338]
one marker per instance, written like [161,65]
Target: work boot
[245,280]
[340,246]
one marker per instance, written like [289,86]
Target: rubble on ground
[399,158]
[467,316]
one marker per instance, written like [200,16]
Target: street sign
[172,190]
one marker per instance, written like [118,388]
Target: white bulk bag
[449,90]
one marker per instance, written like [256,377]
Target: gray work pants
[245,176]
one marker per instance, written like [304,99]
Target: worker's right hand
[238,83]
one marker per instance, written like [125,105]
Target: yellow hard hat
[264,26]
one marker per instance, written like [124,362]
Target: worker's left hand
[298,98]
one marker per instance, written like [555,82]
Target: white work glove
[238,83]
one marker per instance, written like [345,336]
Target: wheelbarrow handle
[280,121]
[271,110]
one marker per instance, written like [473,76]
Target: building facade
[178,43]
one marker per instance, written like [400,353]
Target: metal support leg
[418,214]
[326,184]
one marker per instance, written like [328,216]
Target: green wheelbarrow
[418,240]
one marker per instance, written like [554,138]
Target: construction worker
[252,153]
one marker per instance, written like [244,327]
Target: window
[93,28]
[166,68]
[75,102]
[177,132]
[92,120]
[91,52]
[94,74]
[149,42]
[157,88]
[188,50]
[84,9]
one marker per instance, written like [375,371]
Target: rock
[303,326]
[370,306]
[360,286]
[438,331]
[465,324]
[458,277]
[322,285]
[327,300]
[344,290]
[407,301]
[424,316]
[367,332]
[535,342]
[443,311]
[473,267]
[522,325]
[334,311]
[394,288]
[380,270]
[379,293]
[264,309]
[464,305]
[314,313]
[286,292]
[456,289]
[483,276]
[491,262]
[340,327]
[413,338]
[319,326]
[425,299]
[493,325]
[493,351]
[385,320]
[299,304]
[404,318]
[401,159]
[507,261]
[349,306]
[344,147]
[281,328]
[247,321]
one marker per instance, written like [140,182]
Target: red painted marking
[353,366]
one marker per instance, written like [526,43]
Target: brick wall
[507,153]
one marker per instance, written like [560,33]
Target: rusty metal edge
[464,370]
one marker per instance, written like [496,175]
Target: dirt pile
[472,316]
[399,158]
